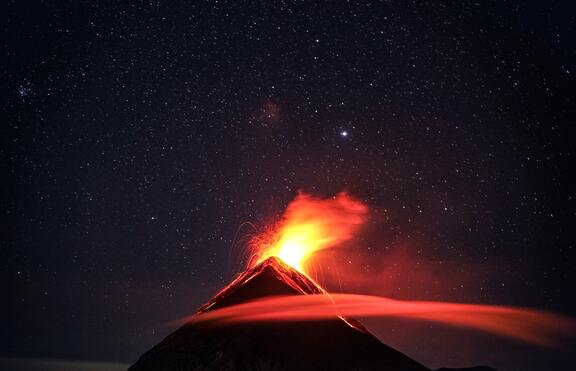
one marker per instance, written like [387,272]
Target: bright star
[344,133]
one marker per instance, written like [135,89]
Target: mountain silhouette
[335,344]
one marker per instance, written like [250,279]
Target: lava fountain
[308,225]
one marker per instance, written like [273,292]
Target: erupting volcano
[329,344]
[309,225]
[274,316]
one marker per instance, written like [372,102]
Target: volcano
[337,344]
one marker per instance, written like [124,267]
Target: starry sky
[138,136]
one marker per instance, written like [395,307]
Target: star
[344,133]
[22,91]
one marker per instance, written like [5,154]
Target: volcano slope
[336,344]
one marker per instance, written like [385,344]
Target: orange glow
[529,325]
[308,225]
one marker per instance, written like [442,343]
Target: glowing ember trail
[533,326]
[308,225]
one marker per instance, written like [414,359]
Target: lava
[308,225]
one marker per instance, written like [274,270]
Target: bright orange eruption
[308,225]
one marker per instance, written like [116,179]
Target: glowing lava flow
[308,225]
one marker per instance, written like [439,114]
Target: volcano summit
[338,343]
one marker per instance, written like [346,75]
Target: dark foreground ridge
[338,344]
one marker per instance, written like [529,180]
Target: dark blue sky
[137,137]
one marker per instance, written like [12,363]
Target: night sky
[137,137]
